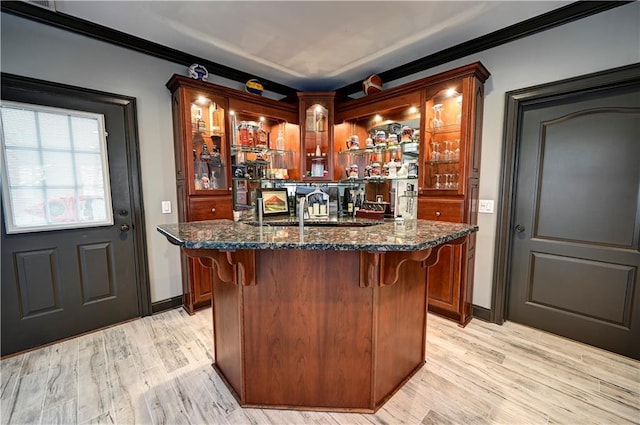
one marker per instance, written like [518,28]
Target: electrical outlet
[485,206]
[166,207]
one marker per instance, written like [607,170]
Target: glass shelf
[377,179]
[373,150]
[452,161]
[452,128]
[263,151]
[246,179]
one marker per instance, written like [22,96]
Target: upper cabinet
[200,133]
[316,122]
[265,146]
[378,138]
[451,148]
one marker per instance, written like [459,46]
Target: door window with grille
[54,169]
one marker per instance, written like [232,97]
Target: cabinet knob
[213,210]
[438,213]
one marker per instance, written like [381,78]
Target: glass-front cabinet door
[444,145]
[316,122]
[206,129]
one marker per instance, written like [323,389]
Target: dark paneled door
[575,257]
[60,283]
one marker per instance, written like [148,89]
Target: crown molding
[554,18]
[561,16]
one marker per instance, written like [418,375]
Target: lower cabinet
[210,208]
[197,280]
[450,281]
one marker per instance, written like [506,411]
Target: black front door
[60,283]
[576,225]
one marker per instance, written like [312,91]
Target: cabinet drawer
[442,210]
[210,208]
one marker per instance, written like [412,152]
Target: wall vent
[47,4]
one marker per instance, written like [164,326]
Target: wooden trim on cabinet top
[237,98]
[476,69]
[552,19]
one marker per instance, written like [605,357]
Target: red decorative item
[372,84]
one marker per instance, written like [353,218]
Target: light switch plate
[485,206]
[166,207]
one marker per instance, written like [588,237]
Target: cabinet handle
[213,210]
[438,213]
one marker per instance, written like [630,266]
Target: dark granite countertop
[338,234]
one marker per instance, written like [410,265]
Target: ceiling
[308,45]
[305,45]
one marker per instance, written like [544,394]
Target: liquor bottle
[318,152]
[204,154]
[201,124]
[262,138]
[321,123]
[358,203]
[280,140]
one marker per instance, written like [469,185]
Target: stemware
[435,154]
[437,115]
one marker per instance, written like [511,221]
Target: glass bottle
[280,139]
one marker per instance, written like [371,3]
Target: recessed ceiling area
[308,45]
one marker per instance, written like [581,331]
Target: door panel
[38,280]
[60,283]
[575,254]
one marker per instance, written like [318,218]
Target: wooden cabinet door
[446,289]
[210,208]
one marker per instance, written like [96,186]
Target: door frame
[515,102]
[128,106]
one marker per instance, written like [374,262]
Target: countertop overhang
[344,235]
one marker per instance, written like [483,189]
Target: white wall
[607,40]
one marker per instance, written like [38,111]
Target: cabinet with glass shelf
[377,142]
[209,146]
[443,140]
[449,180]
[316,129]
[264,149]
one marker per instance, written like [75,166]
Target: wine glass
[438,184]
[447,150]
[435,154]
[437,115]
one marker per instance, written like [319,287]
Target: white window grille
[55,171]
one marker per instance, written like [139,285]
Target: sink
[317,223]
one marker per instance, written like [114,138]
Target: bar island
[330,318]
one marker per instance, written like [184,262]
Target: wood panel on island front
[333,319]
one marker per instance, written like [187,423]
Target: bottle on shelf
[201,125]
[280,139]
[321,123]
[318,152]
[262,138]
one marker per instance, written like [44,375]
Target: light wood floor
[157,370]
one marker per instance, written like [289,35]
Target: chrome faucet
[301,203]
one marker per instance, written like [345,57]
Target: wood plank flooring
[157,370]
